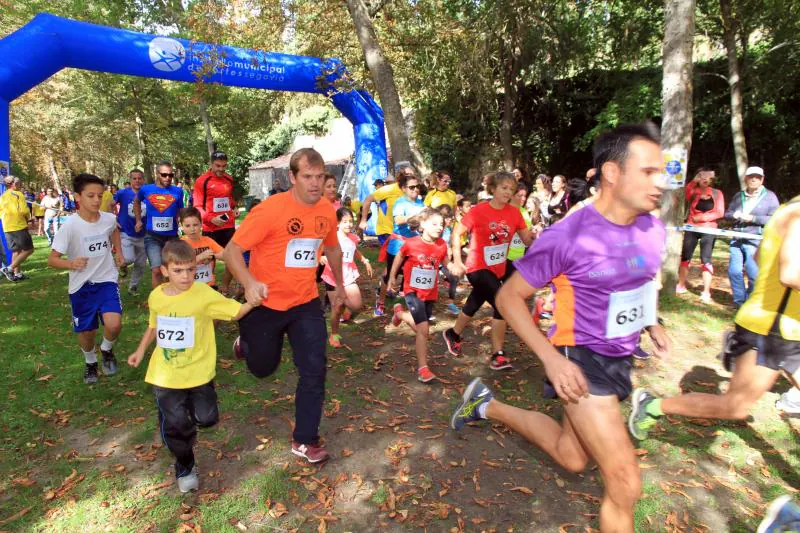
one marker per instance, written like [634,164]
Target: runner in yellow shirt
[441,193]
[14,213]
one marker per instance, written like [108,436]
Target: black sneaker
[133,290]
[8,274]
[109,362]
[90,375]
[453,341]
[726,355]
[499,361]
[20,276]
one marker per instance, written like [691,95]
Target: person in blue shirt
[404,209]
[156,208]
[132,240]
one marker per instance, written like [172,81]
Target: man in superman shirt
[213,197]
[162,201]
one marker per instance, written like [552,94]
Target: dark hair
[164,163]
[522,185]
[254,203]
[613,145]
[547,181]
[523,172]
[219,156]
[460,203]
[328,177]
[177,251]
[496,178]
[578,189]
[188,212]
[136,171]
[445,210]
[402,179]
[80,182]
[343,212]
[311,156]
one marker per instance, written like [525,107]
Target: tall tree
[729,31]
[676,126]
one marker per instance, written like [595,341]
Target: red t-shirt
[421,269]
[213,196]
[491,231]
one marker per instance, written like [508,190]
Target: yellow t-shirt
[386,196]
[435,198]
[107,202]
[355,207]
[14,211]
[186,351]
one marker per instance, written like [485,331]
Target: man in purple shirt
[601,262]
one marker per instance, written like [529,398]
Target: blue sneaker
[379,310]
[782,516]
[453,309]
[475,395]
[638,353]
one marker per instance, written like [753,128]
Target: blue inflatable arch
[49,43]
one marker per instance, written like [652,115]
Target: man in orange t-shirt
[285,234]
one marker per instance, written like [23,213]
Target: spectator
[749,210]
[558,205]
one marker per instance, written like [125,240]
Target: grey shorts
[19,241]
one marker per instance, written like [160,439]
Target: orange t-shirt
[205,273]
[284,238]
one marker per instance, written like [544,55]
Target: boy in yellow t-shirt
[206,249]
[183,365]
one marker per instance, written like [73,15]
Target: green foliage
[313,121]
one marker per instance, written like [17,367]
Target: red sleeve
[520,220]
[197,199]
[719,208]
[689,190]
[468,220]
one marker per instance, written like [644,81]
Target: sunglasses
[167,174]
[413,187]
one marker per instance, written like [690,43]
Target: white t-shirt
[78,238]
[53,205]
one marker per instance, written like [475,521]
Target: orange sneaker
[425,375]
[335,341]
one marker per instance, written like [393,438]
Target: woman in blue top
[404,208]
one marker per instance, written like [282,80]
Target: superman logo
[161,201]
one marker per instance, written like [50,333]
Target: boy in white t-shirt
[89,238]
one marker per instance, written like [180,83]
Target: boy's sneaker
[782,516]
[133,290]
[335,341]
[680,289]
[453,341]
[109,363]
[726,356]
[499,361]
[380,310]
[19,276]
[189,482]
[237,350]
[705,297]
[425,375]
[789,402]
[640,421]
[638,353]
[313,453]
[8,274]
[475,395]
[453,309]
[397,311]
[90,374]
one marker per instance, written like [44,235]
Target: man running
[766,340]
[602,262]
[54,206]
[213,197]
[132,240]
[15,214]
[284,234]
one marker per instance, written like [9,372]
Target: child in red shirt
[423,256]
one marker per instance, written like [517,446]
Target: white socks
[107,345]
[482,409]
[90,356]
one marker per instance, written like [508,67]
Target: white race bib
[630,311]
[495,255]
[163,223]
[203,273]
[302,253]
[175,333]
[222,205]
[516,241]
[132,214]
[96,245]
[422,278]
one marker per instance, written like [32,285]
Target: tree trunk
[734,81]
[51,163]
[382,76]
[506,120]
[141,136]
[676,126]
[212,146]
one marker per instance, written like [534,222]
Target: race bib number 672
[302,253]
[175,333]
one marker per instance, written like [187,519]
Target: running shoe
[134,290]
[432,319]
[8,274]
[123,271]
[109,362]
[453,309]
[499,361]
[475,395]
[453,341]
[397,311]
[390,294]
[335,341]
[680,289]
[705,297]
[639,353]
[379,310]
[20,275]
[189,482]
[425,375]
[90,374]
[726,356]
[237,350]
[640,421]
[314,453]
[789,402]
[782,516]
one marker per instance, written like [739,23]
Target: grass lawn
[81,458]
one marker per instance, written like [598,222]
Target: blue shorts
[383,238]
[153,244]
[91,302]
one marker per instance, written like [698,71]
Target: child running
[423,256]
[206,248]
[350,253]
[452,280]
[183,365]
[87,239]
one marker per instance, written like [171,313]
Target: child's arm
[365,261]
[147,339]
[116,240]
[56,260]
[246,308]
[396,268]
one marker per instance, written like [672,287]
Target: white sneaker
[679,289]
[705,297]
[189,482]
[789,402]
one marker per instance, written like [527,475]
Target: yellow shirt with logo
[107,202]
[186,350]
[435,198]
[14,211]
[386,196]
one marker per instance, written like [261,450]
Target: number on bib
[203,273]
[96,245]
[422,278]
[222,205]
[163,223]
[302,253]
[175,333]
[495,255]
[630,311]
[516,242]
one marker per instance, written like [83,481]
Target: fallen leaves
[69,483]
[523,490]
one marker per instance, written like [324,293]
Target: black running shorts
[421,311]
[606,376]
[772,351]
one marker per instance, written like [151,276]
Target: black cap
[219,155]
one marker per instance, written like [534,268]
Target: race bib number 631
[630,311]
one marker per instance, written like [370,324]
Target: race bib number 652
[302,253]
[175,333]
